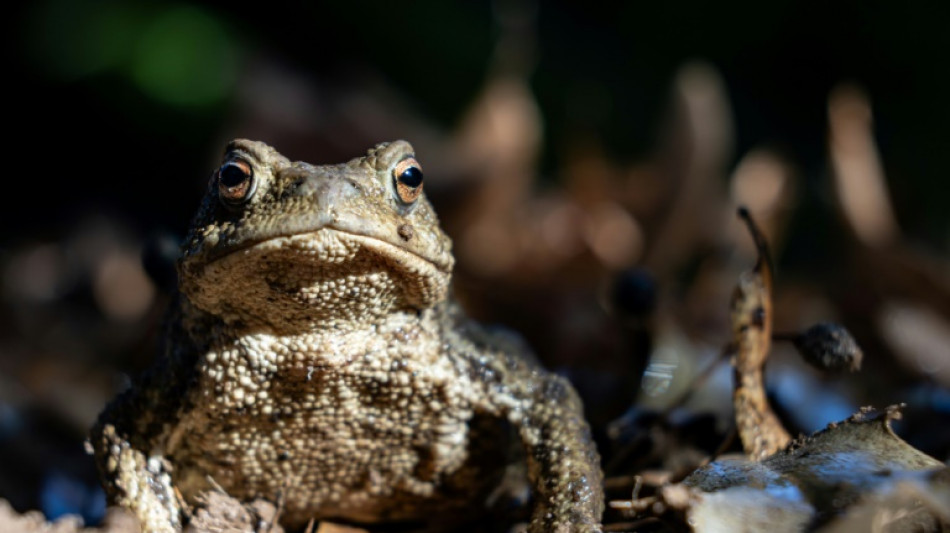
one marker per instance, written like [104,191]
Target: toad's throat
[317,276]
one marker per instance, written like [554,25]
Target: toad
[314,356]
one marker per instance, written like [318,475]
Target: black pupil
[411,177]
[232,175]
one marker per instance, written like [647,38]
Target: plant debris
[786,485]
[828,346]
[813,481]
[751,314]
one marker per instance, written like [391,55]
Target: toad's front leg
[136,481]
[129,438]
[563,464]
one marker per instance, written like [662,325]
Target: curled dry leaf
[920,502]
[808,484]
[812,481]
[751,315]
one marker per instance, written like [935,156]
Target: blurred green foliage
[178,54]
[185,57]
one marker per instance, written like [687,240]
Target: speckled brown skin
[314,357]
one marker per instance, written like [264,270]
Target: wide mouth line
[395,250]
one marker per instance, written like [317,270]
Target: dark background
[88,123]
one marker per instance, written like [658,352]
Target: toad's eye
[236,182]
[407,176]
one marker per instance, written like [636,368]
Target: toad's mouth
[308,235]
[328,245]
[327,270]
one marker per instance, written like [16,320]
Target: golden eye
[407,176]
[236,182]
